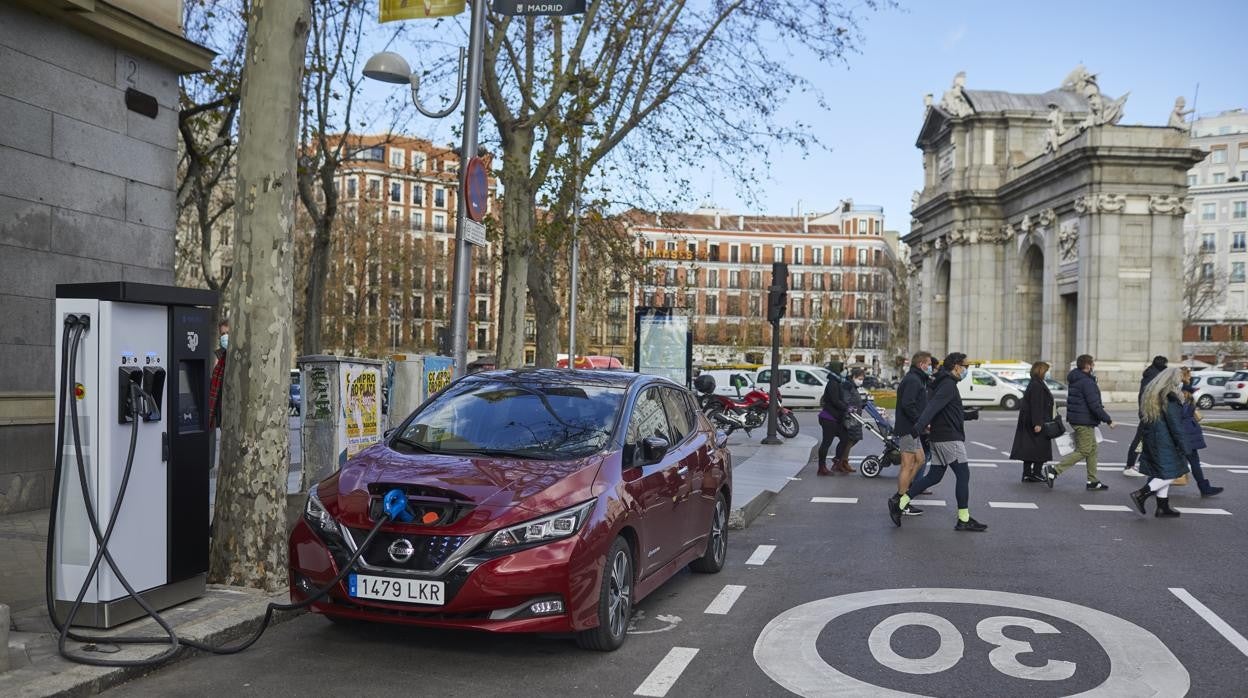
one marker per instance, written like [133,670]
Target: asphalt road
[826,597]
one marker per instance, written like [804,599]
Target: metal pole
[463,250]
[576,246]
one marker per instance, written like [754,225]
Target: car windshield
[542,420]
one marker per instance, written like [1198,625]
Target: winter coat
[1165,444]
[1191,428]
[911,399]
[1035,410]
[854,402]
[1083,400]
[944,411]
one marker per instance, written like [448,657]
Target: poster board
[360,424]
[438,374]
[663,343]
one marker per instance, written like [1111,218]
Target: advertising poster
[395,10]
[438,373]
[361,406]
[663,343]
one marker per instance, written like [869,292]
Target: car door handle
[682,470]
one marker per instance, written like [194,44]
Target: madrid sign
[539,7]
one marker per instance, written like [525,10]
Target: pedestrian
[215,392]
[832,417]
[1195,436]
[854,398]
[1084,411]
[945,415]
[1031,445]
[1164,459]
[911,400]
[1133,452]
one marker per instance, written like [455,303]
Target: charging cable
[75,326]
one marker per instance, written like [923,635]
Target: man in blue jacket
[911,399]
[1084,411]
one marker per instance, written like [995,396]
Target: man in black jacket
[1158,365]
[1084,411]
[911,399]
[945,415]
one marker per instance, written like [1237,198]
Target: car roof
[564,376]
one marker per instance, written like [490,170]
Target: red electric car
[537,500]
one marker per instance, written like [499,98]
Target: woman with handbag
[1164,458]
[1038,425]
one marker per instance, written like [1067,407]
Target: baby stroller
[874,421]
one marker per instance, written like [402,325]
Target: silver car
[1211,388]
[1056,387]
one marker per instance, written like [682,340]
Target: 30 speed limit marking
[1139,663]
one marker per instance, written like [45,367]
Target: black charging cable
[74,327]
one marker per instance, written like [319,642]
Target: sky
[1155,50]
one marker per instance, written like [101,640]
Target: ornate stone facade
[1035,239]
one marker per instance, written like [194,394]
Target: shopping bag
[1065,444]
[1180,480]
[1099,436]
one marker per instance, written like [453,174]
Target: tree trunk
[249,545]
[518,221]
[546,307]
[314,299]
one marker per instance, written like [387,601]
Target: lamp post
[391,67]
[574,271]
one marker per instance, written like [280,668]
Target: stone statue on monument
[954,101]
[1178,117]
[1078,79]
[1057,128]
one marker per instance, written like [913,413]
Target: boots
[823,470]
[1141,495]
[1031,472]
[844,466]
[1207,490]
[1163,509]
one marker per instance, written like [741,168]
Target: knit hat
[1159,362]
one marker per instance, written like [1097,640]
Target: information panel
[663,344]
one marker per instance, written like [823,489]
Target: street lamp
[574,272]
[390,67]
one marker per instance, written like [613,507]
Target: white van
[800,385]
[1011,370]
[980,387]
[732,383]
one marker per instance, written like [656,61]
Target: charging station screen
[190,395]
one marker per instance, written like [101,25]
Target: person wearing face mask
[216,383]
[1084,411]
[946,416]
[1031,446]
[911,400]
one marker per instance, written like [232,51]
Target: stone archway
[1030,310]
[940,308]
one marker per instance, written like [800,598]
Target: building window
[734,279]
[797,255]
[1208,212]
[1238,242]
[418,161]
[376,154]
[396,215]
[1239,209]
[861,309]
[374,188]
[862,226]
[756,306]
[439,308]
[1206,270]
[836,282]
[1206,333]
[836,256]
[756,279]
[734,306]
[1218,156]
[712,254]
[1237,333]
[418,307]
[483,308]
[691,277]
[1237,272]
[777,253]
[481,337]
[417,220]
[418,194]
[795,308]
[864,282]
[734,254]
[712,305]
[439,223]
[669,276]
[1219,178]
[352,187]
[862,256]
[691,301]
[816,282]
[1208,242]
[1192,180]
[396,158]
[439,197]
[819,256]
[756,254]
[795,281]
[712,278]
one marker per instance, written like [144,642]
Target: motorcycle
[748,413]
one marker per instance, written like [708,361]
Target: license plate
[364,586]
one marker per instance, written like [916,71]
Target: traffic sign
[474,232]
[476,188]
[539,7]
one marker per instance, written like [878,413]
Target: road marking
[722,603]
[987,446]
[1013,505]
[1225,630]
[1203,510]
[1109,441]
[929,502]
[983,465]
[1238,472]
[834,500]
[1005,453]
[1105,507]
[761,553]
[660,681]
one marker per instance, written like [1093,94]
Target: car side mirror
[389,432]
[653,448]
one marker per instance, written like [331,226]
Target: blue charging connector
[395,504]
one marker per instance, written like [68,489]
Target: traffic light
[777,295]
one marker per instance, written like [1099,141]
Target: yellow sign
[671,254]
[395,10]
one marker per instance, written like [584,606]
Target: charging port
[126,377]
[154,386]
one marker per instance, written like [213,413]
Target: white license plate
[364,586]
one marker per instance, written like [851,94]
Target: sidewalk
[759,472]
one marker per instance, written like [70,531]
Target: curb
[4,638]
[744,515]
[54,676]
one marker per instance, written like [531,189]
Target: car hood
[498,489]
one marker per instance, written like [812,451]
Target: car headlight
[550,527]
[319,517]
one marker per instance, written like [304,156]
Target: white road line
[1238,472]
[983,465]
[929,502]
[987,446]
[1013,505]
[1232,636]
[660,681]
[1005,453]
[722,603]
[1203,510]
[1109,441]
[1105,507]
[761,553]
[834,500]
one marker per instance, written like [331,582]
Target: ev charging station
[139,388]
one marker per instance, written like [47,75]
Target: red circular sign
[476,188]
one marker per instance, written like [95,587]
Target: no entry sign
[539,7]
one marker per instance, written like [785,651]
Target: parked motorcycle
[748,412]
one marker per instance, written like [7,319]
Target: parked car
[541,501]
[980,387]
[1211,388]
[799,385]
[1236,391]
[296,393]
[1058,388]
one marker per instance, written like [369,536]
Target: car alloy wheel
[615,601]
[1009,402]
[621,592]
[1205,402]
[712,560]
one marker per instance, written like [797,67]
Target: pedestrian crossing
[1208,511]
